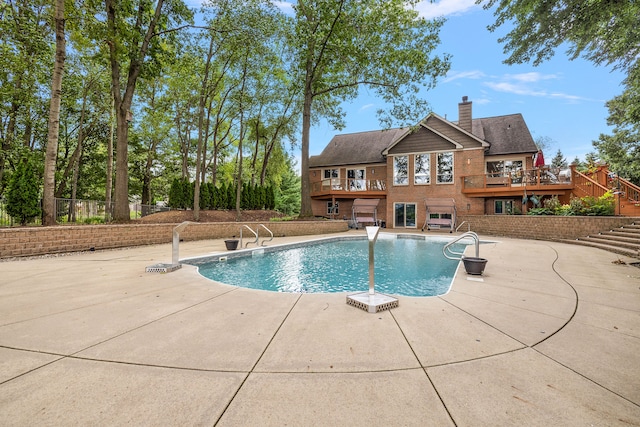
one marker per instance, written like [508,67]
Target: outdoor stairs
[624,240]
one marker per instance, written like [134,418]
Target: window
[332,179]
[332,208]
[445,168]
[356,181]
[504,167]
[501,207]
[400,170]
[404,215]
[422,169]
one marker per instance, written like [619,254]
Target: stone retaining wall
[542,227]
[29,241]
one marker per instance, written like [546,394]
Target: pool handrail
[251,230]
[446,250]
[269,231]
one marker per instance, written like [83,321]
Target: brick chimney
[464,114]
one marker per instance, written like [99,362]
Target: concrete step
[615,249]
[612,241]
[632,226]
[615,234]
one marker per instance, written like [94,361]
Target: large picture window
[401,170]
[422,169]
[445,168]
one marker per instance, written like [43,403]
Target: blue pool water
[403,266]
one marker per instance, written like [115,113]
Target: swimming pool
[409,265]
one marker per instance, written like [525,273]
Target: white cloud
[531,77]
[430,10]
[367,107]
[515,88]
[521,87]
[455,75]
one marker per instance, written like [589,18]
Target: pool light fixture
[175,258]
[371,301]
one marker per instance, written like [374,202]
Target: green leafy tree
[137,34]
[380,44]
[621,150]
[23,193]
[602,31]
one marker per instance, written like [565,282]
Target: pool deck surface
[549,336]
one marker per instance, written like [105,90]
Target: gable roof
[444,131]
[507,134]
[356,148]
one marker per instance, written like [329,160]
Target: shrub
[23,193]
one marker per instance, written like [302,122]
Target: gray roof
[506,134]
[356,148]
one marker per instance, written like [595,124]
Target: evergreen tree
[205,197]
[23,198]
[231,196]
[559,161]
[175,194]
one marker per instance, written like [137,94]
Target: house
[422,176]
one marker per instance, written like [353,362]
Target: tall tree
[134,37]
[621,150]
[48,199]
[345,44]
[602,31]
[26,55]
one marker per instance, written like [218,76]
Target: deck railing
[531,177]
[334,185]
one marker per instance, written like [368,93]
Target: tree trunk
[305,193]
[123,101]
[109,178]
[201,132]
[49,201]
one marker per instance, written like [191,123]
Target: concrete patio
[549,337]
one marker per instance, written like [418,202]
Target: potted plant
[231,244]
[474,265]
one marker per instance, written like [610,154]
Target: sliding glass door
[404,215]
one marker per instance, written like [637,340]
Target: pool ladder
[256,234]
[451,254]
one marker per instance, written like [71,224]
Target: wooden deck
[540,181]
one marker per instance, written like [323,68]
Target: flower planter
[231,245]
[474,265]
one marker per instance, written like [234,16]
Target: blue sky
[562,100]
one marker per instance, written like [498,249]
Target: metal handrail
[462,223]
[446,250]
[270,232]
[253,232]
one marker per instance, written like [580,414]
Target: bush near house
[588,206]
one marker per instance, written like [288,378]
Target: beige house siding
[466,162]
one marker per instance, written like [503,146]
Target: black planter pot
[231,245]
[474,265]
